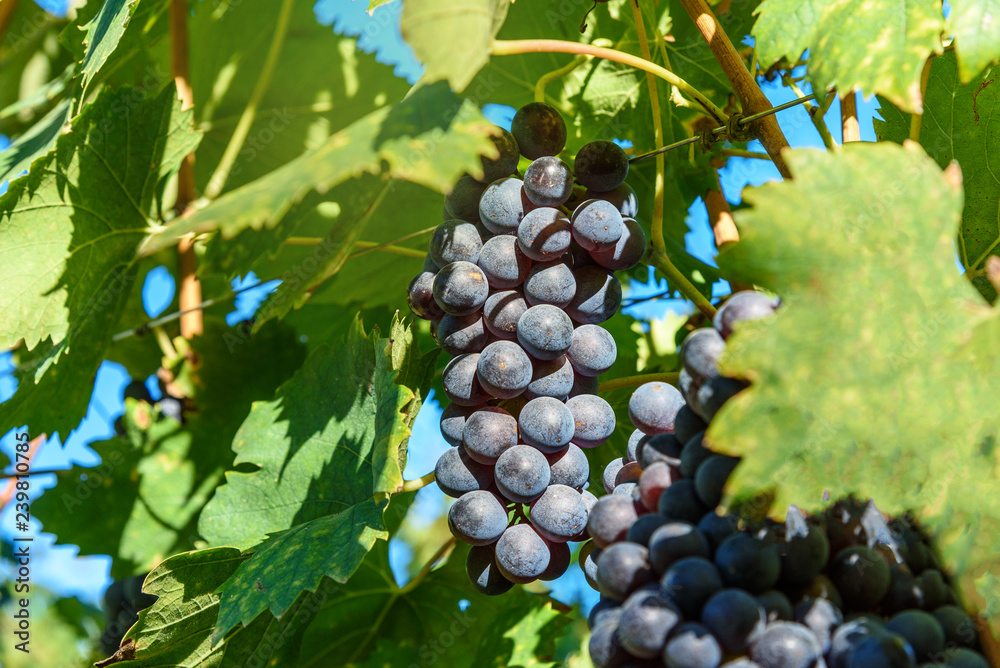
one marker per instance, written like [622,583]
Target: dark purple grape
[622,568]
[776,605]
[881,650]
[584,385]
[819,587]
[804,550]
[635,441]
[453,422]
[544,234]
[548,181]
[593,350]
[653,407]
[645,626]
[501,207]
[461,334]
[420,297]
[598,296]
[748,563]
[628,489]
[477,518]
[681,502]
[959,657]
[460,288]
[589,500]
[921,630]
[503,262]
[742,306]
[605,608]
[488,433]
[550,283]
[932,590]
[786,645]
[655,478]
[539,130]
[611,473]
[569,467]
[717,527]
[545,332]
[559,514]
[522,554]
[689,583]
[692,645]
[522,474]
[663,448]
[593,418]
[630,472]
[601,166]
[627,251]
[604,649]
[463,201]
[687,424]
[551,378]
[505,163]
[503,369]
[589,554]
[455,240]
[501,312]
[644,527]
[957,626]
[456,473]
[849,634]
[694,455]
[560,557]
[711,477]
[597,226]
[674,541]
[700,353]
[610,519]
[821,616]
[714,393]
[735,618]
[481,567]
[623,197]
[460,382]
[546,424]
[861,576]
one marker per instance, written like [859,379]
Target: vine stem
[741,153]
[414,485]
[189,294]
[221,174]
[443,551]
[850,128]
[641,379]
[744,85]
[549,77]
[503,47]
[6,13]
[8,492]
[654,98]
[659,259]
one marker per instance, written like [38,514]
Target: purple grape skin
[627,489]
[477,518]
[420,297]
[611,473]
[460,381]
[548,182]
[545,332]
[589,554]
[700,353]
[551,378]
[735,618]
[598,296]
[681,502]
[461,334]
[786,645]
[455,240]
[628,473]
[653,407]
[711,478]
[505,163]
[453,422]
[501,207]
[544,234]
[742,306]
[628,250]
[550,283]
[604,649]
[569,467]
[687,424]
[456,473]
[921,630]
[776,605]
[748,563]
[645,626]
[634,442]
[539,129]
[560,557]
[460,288]
[593,350]
[689,583]
[881,650]
[674,541]
[501,312]
[521,473]
[610,519]
[559,514]
[691,645]
[594,420]
[503,262]
[694,455]
[623,197]
[622,568]
[861,576]
[605,608]
[597,225]
[463,201]
[660,448]
[504,369]
[546,424]
[601,165]
[488,433]
[481,567]
[584,385]
[522,554]
[821,616]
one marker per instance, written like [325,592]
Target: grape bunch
[517,280]
[685,586]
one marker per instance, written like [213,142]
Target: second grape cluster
[516,282]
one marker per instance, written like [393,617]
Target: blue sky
[59,568]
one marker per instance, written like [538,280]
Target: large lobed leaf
[878,46]
[976,26]
[879,375]
[961,122]
[68,237]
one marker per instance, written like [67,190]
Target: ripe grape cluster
[685,586]
[517,279]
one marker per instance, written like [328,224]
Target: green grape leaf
[314,443]
[430,138]
[878,375]
[976,26]
[176,630]
[103,33]
[321,82]
[34,142]
[375,4]
[439,29]
[960,123]
[528,639]
[82,210]
[899,36]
